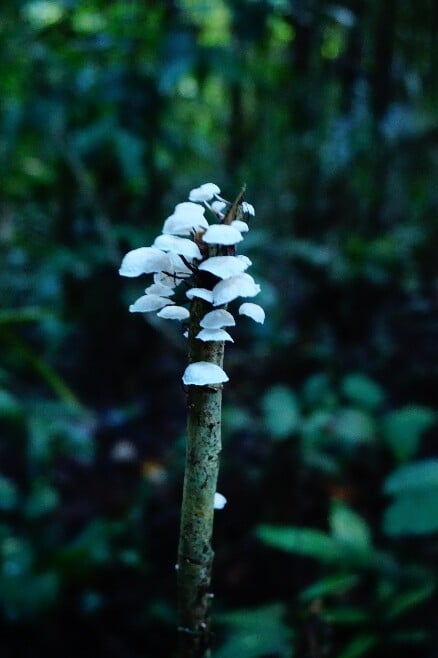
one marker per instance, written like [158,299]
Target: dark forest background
[110,112]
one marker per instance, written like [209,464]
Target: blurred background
[110,112]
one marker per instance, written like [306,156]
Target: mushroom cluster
[191,250]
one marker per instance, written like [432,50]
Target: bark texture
[195,554]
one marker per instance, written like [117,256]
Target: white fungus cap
[214,335]
[219,501]
[149,303]
[186,218]
[174,313]
[174,273]
[203,373]
[253,311]
[245,259]
[204,192]
[224,266]
[202,293]
[167,279]
[248,208]
[222,234]
[188,209]
[160,289]
[241,285]
[179,246]
[178,264]
[217,319]
[144,260]
[242,227]
[218,206]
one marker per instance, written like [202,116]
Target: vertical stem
[195,554]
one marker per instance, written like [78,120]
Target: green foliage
[329,429]
[403,602]
[55,429]
[110,112]
[349,541]
[348,527]
[42,500]
[25,590]
[280,409]
[304,541]
[362,390]
[413,477]
[402,429]
[9,405]
[347,550]
[8,494]
[352,426]
[360,646]
[331,585]
[415,491]
[256,632]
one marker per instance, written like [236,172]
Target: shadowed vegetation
[110,113]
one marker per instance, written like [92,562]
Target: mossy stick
[213,276]
[195,553]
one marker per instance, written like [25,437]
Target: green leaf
[408,600]
[88,22]
[413,513]
[353,426]
[25,595]
[304,541]
[317,390]
[235,418]
[345,615]
[315,427]
[16,556]
[9,405]
[331,585]
[362,390]
[257,632]
[402,430]
[321,461]
[20,315]
[56,428]
[358,646]
[43,589]
[42,500]
[8,494]
[93,547]
[414,510]
[319,545]
[280,411]
[349,527]
[42,13]
[415,476]
[410,637]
